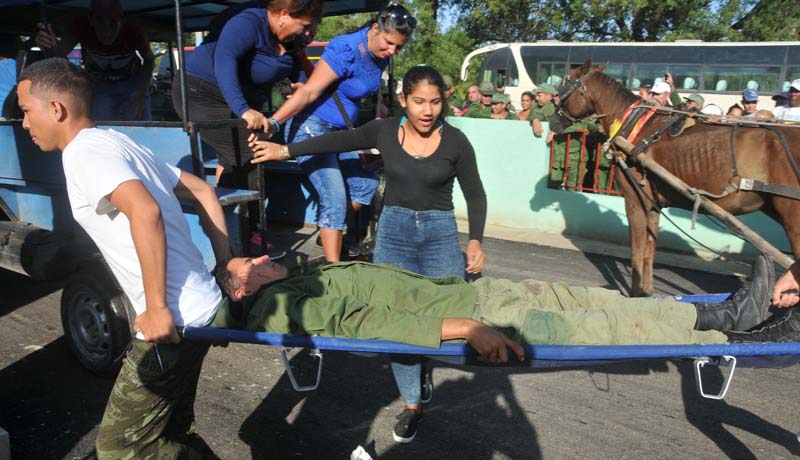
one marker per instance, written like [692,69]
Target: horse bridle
[569,87]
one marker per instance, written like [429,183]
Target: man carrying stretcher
[367,301]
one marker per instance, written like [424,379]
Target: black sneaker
[406,427]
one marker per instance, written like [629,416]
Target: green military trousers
[150,412]
[568,163]
[555,313]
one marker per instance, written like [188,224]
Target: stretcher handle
[701,362]
[315,353]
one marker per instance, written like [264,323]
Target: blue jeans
[424,242]
[338,179]
[113,100]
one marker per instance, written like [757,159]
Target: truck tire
[94,315]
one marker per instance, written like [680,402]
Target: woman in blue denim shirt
[423,155]
[350,68]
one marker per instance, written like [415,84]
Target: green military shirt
[541,113]
[509,116]
[477,110]
[675,99]
[361,301]
[455,101]
[582,124]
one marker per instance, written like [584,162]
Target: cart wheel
[94,315]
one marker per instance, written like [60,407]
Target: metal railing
[591,170]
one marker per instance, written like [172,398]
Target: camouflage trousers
[555,313]
[150,413]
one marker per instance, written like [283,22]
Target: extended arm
[320,80]
[144,76]
[364,137]
[149,238]
[491,345]
[475,196]
[212,217]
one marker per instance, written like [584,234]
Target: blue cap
[749,95]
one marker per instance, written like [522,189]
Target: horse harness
[638,115]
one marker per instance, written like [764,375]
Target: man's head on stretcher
[360,300]
[245,276]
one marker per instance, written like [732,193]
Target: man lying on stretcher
[367,301]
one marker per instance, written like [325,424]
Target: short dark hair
[298,8]
[227,282]
[58,76]
[423,73]
[529,94]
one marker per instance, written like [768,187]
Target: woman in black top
[422,155]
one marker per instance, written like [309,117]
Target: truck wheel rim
[90,328]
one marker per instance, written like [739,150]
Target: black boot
[745,309]
[785,329]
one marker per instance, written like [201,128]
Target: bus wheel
[94,315]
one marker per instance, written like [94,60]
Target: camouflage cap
[696,98]
[547,89]
[486,88]
[500,98]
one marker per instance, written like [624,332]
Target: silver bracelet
[285,152]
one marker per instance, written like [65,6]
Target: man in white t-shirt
[792,112]
[127,201]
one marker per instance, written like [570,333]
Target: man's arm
[491,345]
[149,238]
[143,85]
[212,218]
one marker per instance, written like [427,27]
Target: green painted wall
[514,164]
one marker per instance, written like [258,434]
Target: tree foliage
[429,45]
[627,20]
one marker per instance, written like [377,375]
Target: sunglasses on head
[398,15]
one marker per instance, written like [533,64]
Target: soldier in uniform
[454,100]
[482,109]
[544,107]
[569,163]
[500,107]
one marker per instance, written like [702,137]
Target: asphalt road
[247,409]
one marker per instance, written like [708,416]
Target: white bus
[718,71]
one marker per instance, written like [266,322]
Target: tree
[628,20]
[428,45]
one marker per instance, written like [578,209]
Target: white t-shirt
[95,163]
[787,113]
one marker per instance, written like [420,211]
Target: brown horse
[700,156]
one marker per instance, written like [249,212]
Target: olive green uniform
[368,301]
[478,110]
[574,169]
[542,113]
[454,101]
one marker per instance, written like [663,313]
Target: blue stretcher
[762,355]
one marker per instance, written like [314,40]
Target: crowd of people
[127,201]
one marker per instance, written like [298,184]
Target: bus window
[552,60]
[622,74]
[792,74]
[685,77]
[550,71]
[498,67]
[763,79]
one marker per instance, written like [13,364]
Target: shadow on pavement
[50,403]
[356,392]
